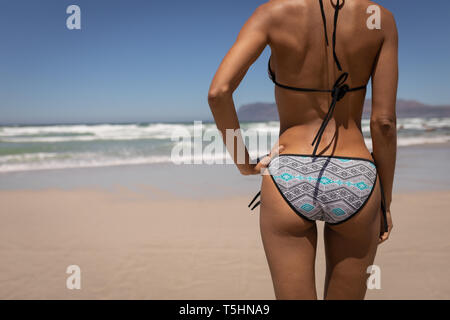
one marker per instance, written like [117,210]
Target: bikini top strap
[274,80]
[324,19]
[336,15]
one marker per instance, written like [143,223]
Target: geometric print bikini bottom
[327,188]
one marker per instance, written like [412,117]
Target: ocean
[45,147]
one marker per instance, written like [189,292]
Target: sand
[150,245]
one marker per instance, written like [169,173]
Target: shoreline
[417,168]
[440,145]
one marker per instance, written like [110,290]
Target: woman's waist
[342,141]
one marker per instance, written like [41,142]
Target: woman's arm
[250,43]
[383,121]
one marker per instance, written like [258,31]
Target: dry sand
[132,245]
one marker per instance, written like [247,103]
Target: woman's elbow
[385,125]
[216,94]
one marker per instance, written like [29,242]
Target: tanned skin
[294,31]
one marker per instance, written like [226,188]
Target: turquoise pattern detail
[286,177]
[338,211]
[323,180]
[361,185]
[307,207]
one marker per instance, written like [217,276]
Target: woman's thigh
[350,248]
[290,245]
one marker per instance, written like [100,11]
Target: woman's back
[301,58]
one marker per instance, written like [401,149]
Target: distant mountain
[405,109]
[413,109]
[258,112]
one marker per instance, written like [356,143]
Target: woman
[323,55]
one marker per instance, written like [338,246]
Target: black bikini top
[339,88]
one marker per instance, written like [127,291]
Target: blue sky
[137,60]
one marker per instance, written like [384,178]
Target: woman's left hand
[385,235]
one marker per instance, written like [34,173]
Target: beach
[185,232]
[115,182]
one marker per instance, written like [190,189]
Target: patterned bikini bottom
[328,188]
